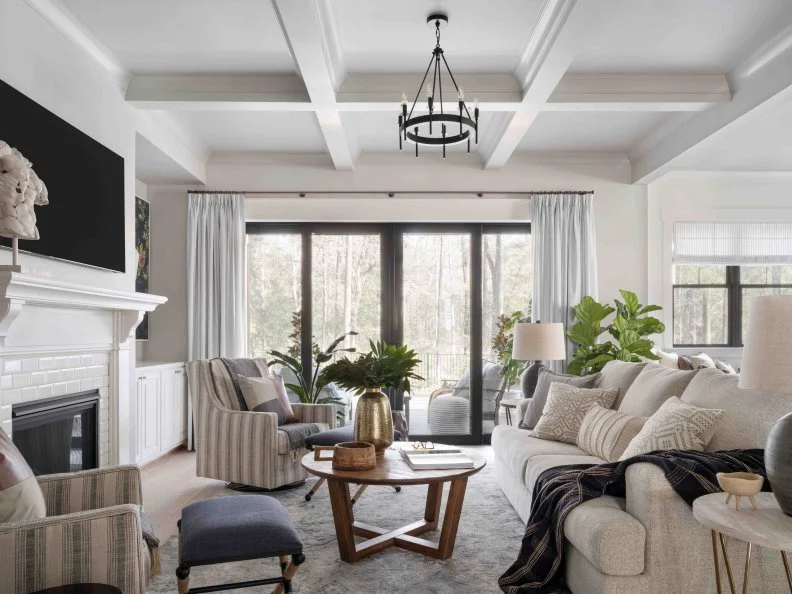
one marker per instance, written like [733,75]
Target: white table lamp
[766,366]
[537,342]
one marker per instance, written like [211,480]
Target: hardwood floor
[168,485]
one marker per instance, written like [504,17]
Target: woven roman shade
[732,244]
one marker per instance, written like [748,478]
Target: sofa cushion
[514,447]
[538,464]
[606,433]
[567,407]
[749,413]
[604,533]
[653,386]
[675,426]
[547,378]
[619,375]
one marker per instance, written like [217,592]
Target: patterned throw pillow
[565,409]
[20,493]
[533,412]
[261,395]
[701,361]
[607,433]
[675,426]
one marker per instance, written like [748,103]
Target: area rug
[488,541]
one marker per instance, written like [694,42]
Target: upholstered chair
[92,534]
[240,446]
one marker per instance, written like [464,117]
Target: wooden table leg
[434,498]
[343,518]
[456,497]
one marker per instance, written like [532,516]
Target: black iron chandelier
[443,128]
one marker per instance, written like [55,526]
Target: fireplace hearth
[58,434]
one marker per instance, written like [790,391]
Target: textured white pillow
[606,433]
[565,409]
[675,426]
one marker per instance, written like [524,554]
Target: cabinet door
[169,432]
[149,427]
[180,397]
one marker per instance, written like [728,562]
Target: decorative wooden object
[349,455]
[740,484]
[392,470]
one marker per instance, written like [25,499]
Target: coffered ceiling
[657,80]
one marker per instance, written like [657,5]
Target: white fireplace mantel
[19,290]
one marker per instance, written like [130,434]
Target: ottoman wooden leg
[288,572]
[183,579]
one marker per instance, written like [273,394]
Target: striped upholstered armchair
[92,534]
[241,446]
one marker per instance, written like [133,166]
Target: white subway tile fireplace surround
[58,338]
[57,374]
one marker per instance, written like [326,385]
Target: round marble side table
[766,526]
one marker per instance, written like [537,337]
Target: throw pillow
[675,426]
[684,363]
[260,395]
[701,361]
[21,497]
[725,367]
[566,408]
[618,375]
[668,359]
[606,433]
[283,398]
[535,408]
[653,386]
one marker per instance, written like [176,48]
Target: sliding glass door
[439,288]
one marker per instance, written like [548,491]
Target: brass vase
[373,420]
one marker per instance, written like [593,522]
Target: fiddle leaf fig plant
[629,332]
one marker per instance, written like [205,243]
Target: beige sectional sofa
[647,542]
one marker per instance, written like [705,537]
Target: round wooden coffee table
[392,470]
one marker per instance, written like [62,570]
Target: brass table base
[716,537]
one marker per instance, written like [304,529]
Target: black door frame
[391,274]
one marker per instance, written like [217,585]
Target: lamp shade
[768,344]
[539,342]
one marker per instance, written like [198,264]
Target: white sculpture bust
[20,190]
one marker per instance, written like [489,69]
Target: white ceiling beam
[312,36]
[638,92]
[552,46]
[766,87]
[170,138]
[273,92]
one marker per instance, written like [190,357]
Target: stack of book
[436,459]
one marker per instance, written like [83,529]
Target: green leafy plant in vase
[385,366]
[316,389]
[629,331]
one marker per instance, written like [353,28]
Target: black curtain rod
[479,194]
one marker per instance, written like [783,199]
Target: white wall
[706,196]
[620,210]
[38,61]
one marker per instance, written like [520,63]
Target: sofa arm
[100,546]
[316,413]
[91,489]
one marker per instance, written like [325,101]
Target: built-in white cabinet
[161,409]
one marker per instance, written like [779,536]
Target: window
[437,287]
[712,303]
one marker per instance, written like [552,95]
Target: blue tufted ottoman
[237,528]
